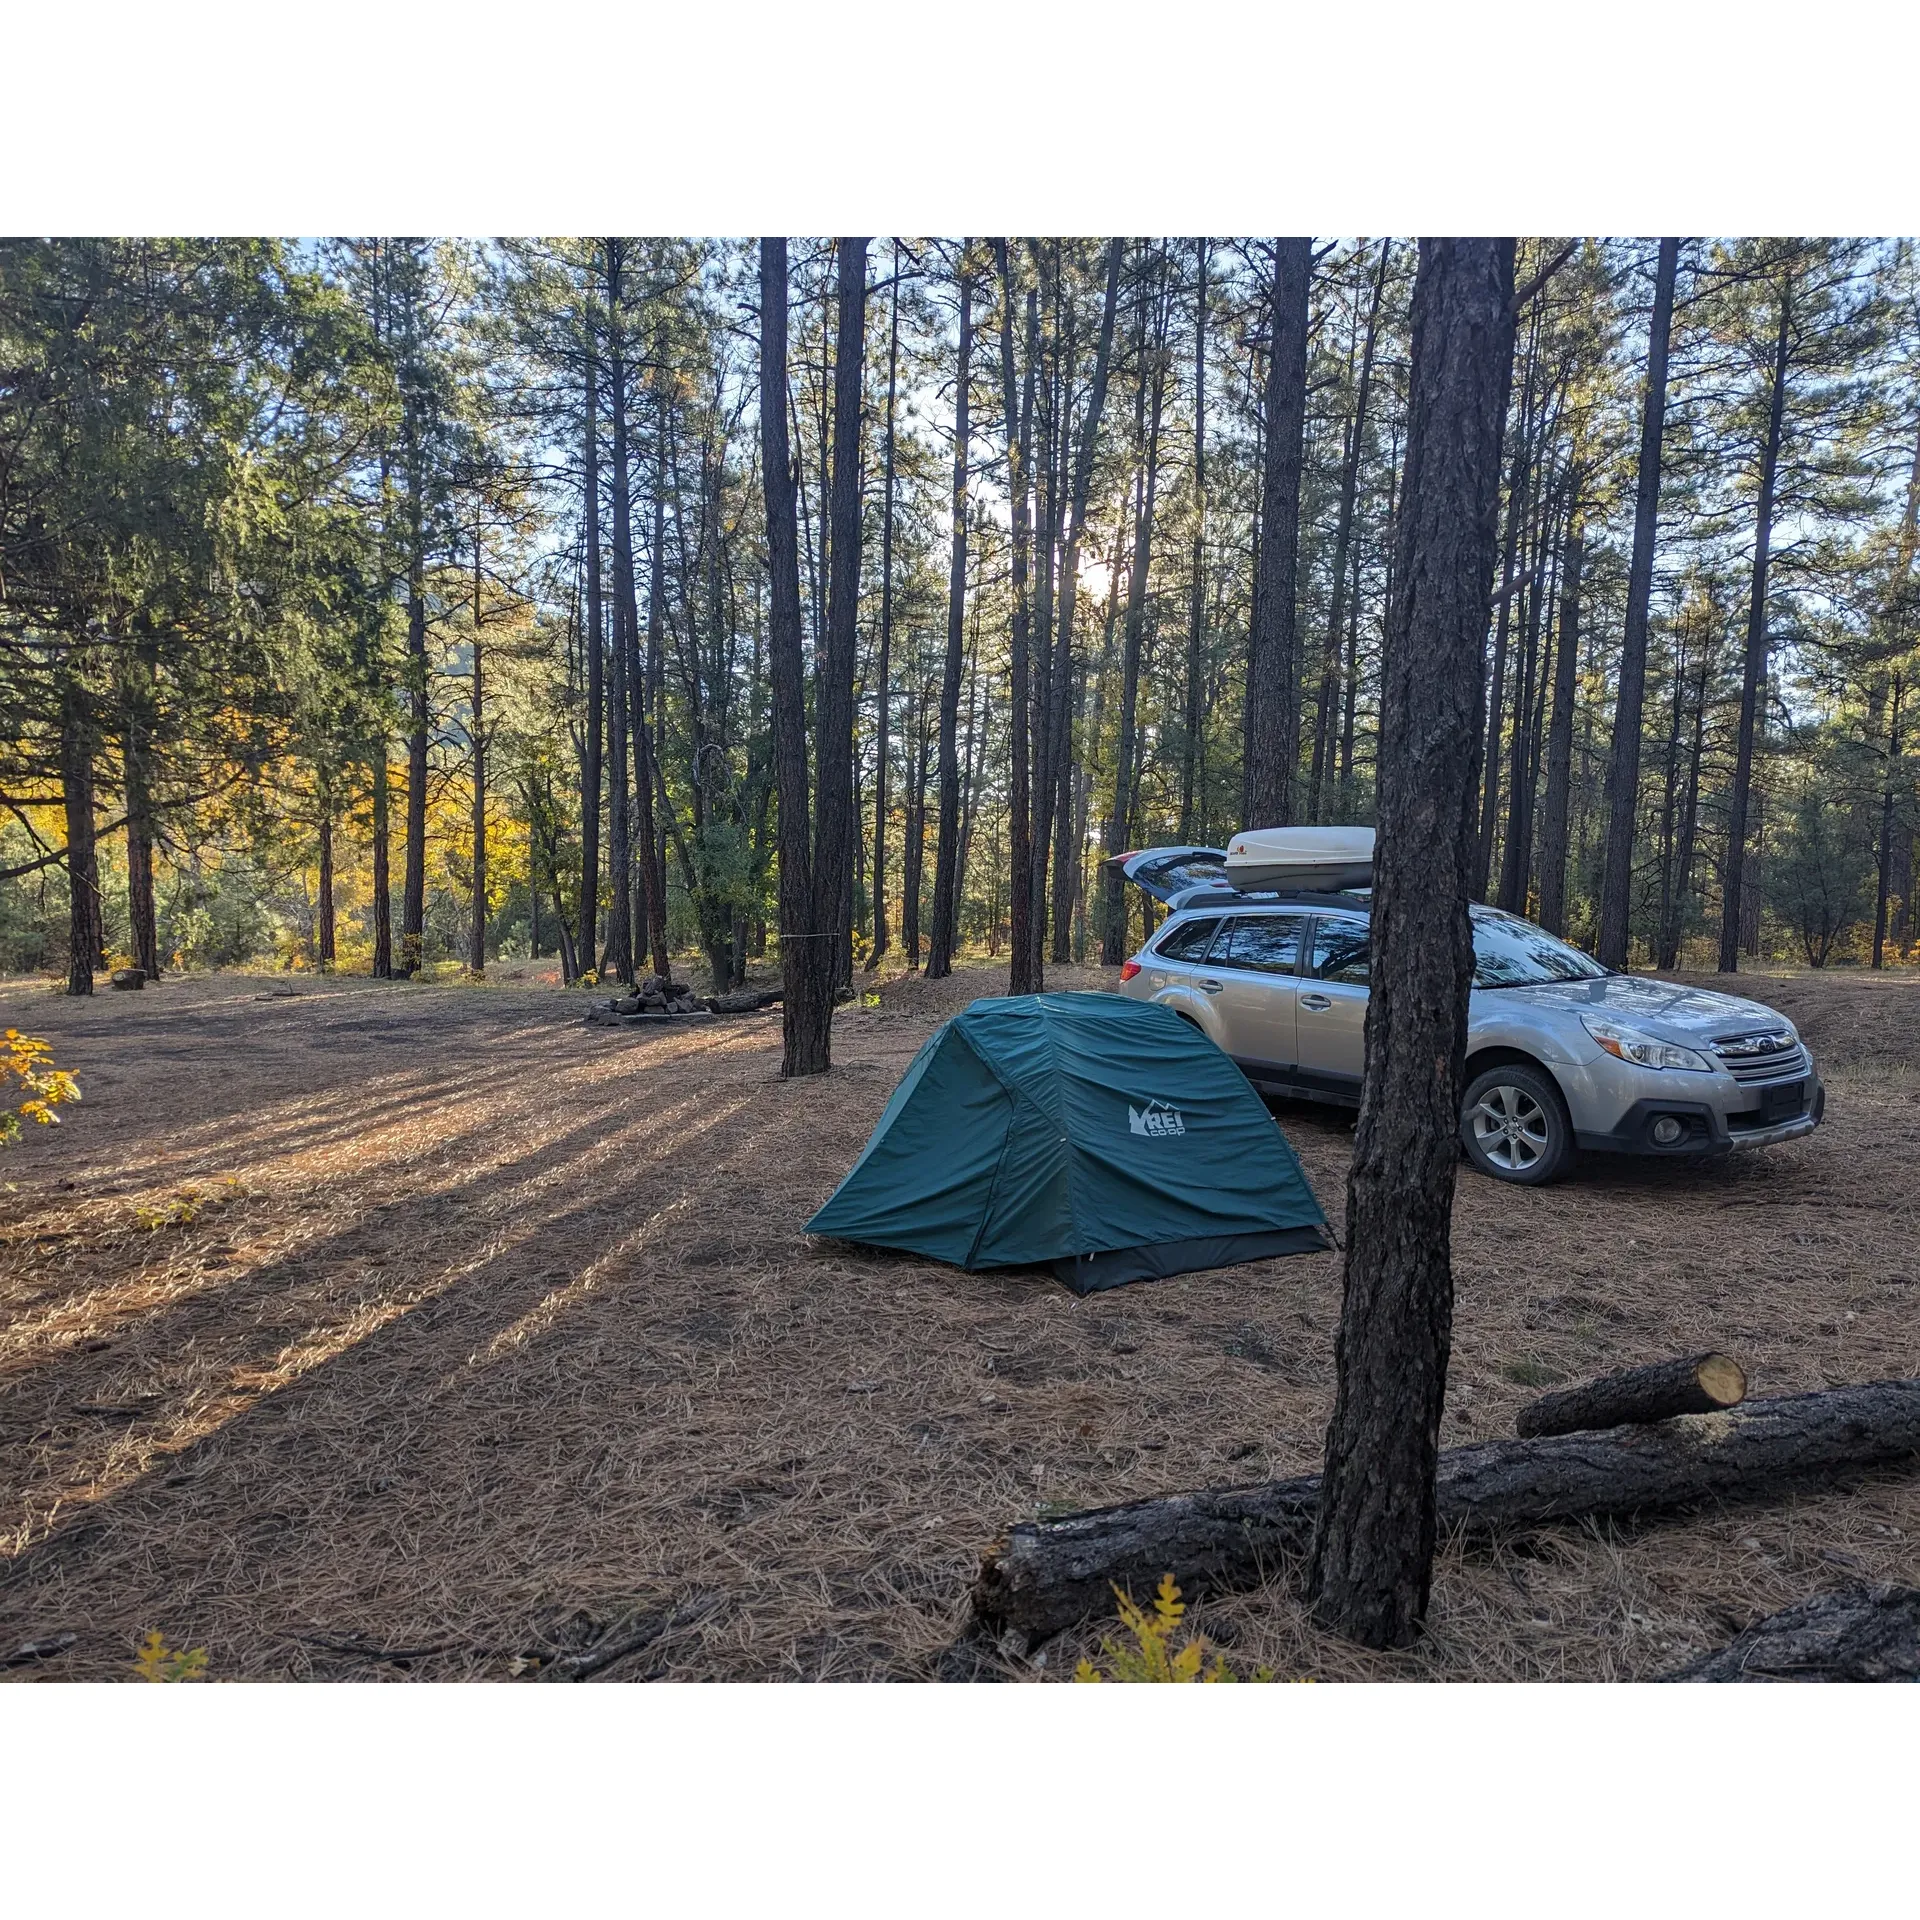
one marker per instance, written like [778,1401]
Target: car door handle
[1315,1002]
[1211,986]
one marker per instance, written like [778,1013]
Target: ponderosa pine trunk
[1049,491]
[836,817]
[806,968]
[626,641]
[940,944]
[1373,1541]
[1883,863]
[382,866]
[1017,405]
[815,852]
[913,854]
[1113,930]
[619,953]
[143,933]
[1553,818]
[1734,879]
[83,871]
[1516,852]
[325,929]
[1670,933]
[1272,698]
[883,703]
[1519,485]
[1623,768]
[1323,743]
[413,901]
[593,650]
[1190,741]
[477,925]
[1053,832]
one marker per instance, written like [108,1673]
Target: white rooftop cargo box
[1314,859]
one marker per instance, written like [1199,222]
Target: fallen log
[1049,1574]
[1668,1388]
[1855,1633]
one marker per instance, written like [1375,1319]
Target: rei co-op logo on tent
[1157,1120]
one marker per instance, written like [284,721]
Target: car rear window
[1269,944]
[1340,951]
[1186,941]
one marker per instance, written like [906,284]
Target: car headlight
[1642,1049]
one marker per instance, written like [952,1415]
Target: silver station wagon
[1561,1054]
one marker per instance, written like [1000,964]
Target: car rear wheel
[1514,1125]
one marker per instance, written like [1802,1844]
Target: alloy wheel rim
[1510,1128]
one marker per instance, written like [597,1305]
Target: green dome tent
[1103,1136]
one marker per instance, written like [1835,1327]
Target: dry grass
[430,1322]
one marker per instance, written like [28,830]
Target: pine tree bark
[626,641]
[477,930]
[940,945]
[883,702]
[142,921]
[815,851]
[913,855]
[325,931]
[1373,1541]
[1017,405]
[1272,701]
[836,818]
[1191,746]
[1670,933]
[382,864]
[1623,767]
[1883,862]
[1052,831]
[1734,880]
[806,1006]
[1049,492]
[594,651]
[1553,820]
[1113,931]
[413,903]
[1516,853]
[83,872]
[1323,744]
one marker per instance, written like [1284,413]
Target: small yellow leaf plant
[26,1067]
[158,1661]
[1153,1655]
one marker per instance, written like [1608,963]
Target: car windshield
[1511,953]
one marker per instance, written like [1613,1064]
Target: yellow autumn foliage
[1152,1655]
[158,1661]
[26,1067]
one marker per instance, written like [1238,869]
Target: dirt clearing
[367,1331]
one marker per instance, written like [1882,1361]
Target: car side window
[1186,942]
[1340,951]
[1269,944]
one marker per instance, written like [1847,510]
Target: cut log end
[1701,1383]
[1722,1379]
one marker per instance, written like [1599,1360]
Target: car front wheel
[1514,1125]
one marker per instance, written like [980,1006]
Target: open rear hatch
[1168,873]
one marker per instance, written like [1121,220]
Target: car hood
[1684,1015]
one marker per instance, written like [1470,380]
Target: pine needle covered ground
[381,1331]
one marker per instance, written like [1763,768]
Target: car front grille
[1760,1058]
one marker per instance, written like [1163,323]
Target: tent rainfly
[1101,1136]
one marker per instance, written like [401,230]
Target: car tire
[1514,1125]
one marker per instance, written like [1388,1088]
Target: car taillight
[1130,969]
